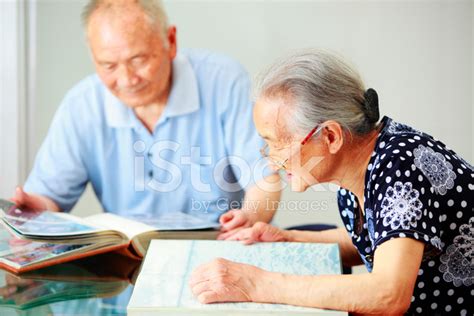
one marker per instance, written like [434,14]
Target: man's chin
[134,102]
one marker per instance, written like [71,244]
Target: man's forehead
[125,19]
[106,32]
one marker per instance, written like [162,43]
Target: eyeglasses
[281,164]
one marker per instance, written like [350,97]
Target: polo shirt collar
[183,98]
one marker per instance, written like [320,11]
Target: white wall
[12,96]
[418,55]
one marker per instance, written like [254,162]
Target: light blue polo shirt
[202,154]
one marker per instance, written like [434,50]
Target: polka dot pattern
[418,188]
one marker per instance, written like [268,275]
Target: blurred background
[418,55]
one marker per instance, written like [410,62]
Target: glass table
[99,285]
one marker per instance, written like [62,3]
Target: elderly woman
[406,200]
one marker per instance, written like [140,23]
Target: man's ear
[172,41]
[333,136]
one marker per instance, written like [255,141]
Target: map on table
[163,281]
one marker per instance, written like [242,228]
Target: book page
[124,225]
[46,223]
[18,253]
[163,283]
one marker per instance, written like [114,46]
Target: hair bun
[371,105]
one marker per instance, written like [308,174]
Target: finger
[20,194]
[248,241]
[203,273]
[200,287]
[19,197]
[208,297]
[240,234]
[253,236]
[245,235]
[226,235]
[230,235]
[193,281]
[226,217]
[237,221]
[198,275]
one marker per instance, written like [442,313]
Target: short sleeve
[404,204]
[59,171]
[241,138]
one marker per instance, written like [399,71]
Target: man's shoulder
[87,87]
[85,99]
[205,61]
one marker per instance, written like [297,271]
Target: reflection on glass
[100,285]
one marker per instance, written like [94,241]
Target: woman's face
[305,165]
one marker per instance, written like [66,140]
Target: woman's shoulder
[404,156]
[411,147]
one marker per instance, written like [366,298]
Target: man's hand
[260,232]
[33,202]
[234,219]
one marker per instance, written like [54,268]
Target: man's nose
[127,78]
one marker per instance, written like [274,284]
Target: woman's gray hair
[153,9]
[319,86]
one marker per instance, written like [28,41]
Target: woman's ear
[333,136]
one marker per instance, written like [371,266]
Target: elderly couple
[405,198]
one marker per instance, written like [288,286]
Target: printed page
[124,225]
[177,221]
[19,253]
[46,223]
[163,280]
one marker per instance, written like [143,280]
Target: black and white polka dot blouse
[416,187]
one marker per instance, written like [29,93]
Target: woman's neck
[354,165]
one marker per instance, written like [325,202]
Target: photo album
[31,239]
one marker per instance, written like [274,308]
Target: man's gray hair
[153,9]
[318,86]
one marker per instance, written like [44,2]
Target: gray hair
[319,86]
[153,9]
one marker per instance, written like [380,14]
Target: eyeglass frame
[281,164]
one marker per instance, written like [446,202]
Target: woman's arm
[387,290]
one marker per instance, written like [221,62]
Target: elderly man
[155,131]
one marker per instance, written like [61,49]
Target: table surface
[99,285]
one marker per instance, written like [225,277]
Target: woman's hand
[259,232]
[222,280]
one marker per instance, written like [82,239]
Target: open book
[34,239]
[162,285]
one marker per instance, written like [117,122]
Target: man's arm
[262,199]
[260,204]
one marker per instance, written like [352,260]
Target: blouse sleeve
[404,204]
